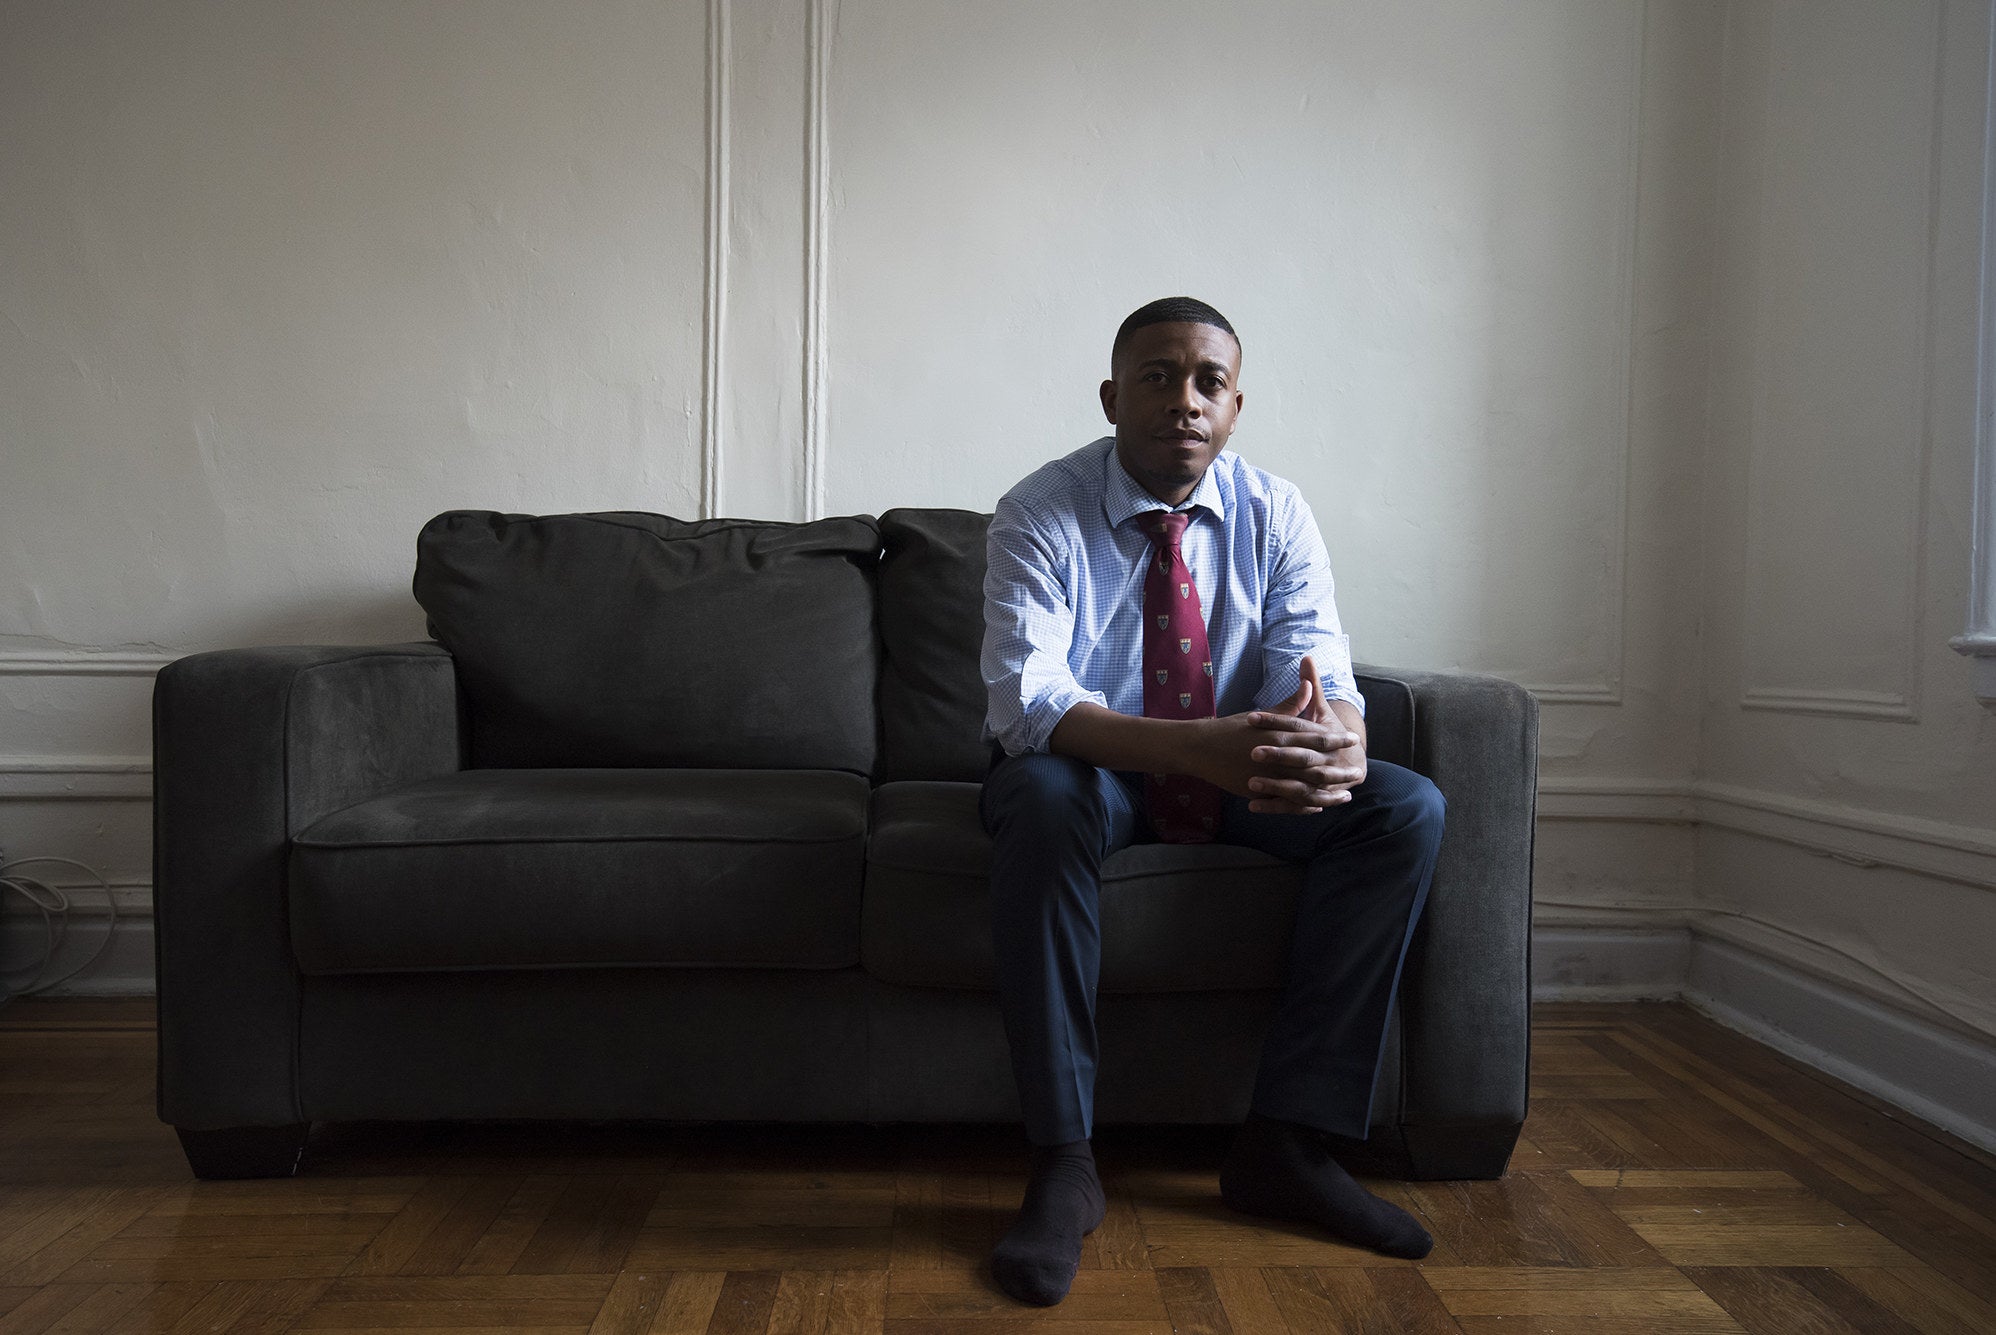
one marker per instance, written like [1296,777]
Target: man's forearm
[1108,740]
[1292,750]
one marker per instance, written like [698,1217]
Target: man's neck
[1170,502]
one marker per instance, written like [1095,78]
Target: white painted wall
[1423,229]
[280,281]
[1624,348]
[283,281]
[1836,501]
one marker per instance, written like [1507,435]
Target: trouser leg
[1368,864]
[1052,821]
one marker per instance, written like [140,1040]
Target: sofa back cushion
[629,639]
[931,635]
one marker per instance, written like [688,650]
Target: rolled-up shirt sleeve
[1028,632]
[1300,617]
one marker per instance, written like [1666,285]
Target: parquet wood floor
[1674,1178]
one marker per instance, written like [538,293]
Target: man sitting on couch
[1164,662]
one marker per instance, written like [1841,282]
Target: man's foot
[1282,1171]
[1036,1261]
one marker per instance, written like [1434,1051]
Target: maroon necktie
[1178,679]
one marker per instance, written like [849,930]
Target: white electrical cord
[53,905]
[1939,1004]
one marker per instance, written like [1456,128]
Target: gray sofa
[678,821]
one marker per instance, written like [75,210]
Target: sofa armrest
[249,747]
[1466,993]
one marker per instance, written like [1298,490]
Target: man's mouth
[1187,436]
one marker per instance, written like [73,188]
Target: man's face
[1172,399]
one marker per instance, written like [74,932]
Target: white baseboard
[1574,961]
[1939,1074]
[125,969]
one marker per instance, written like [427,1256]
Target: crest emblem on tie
[1162,673]
[1185,799]
[1184,590]
[1184,697]
[1185,646]
[1164,622]
[1163,566]
[1208,665]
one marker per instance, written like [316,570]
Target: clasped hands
[1294,759]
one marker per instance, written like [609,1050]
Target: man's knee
[1040,795]
[1410,802]
[1394,802]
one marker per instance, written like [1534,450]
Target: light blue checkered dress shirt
[1064,588]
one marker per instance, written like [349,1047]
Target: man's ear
[1109,401]
[1240,401]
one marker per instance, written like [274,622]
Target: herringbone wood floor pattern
[1674,1177]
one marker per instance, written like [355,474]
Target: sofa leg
[244,1151]
[1456,1153]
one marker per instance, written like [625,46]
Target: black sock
[1283,1170]
[1036,1261]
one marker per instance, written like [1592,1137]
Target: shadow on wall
[365,615]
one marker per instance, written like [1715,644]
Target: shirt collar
[1122,498]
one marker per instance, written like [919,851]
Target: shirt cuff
[1333,660]
[1035,727]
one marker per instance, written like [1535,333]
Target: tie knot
[1165,528]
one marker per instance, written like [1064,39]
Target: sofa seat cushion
[509,869]
[1175,918]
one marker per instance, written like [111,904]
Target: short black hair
[1169,310]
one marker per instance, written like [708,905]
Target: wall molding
[1901,706]
[1978,637]
[1884,705]
[817,173]
[1578,693]
[714,305]
[1644,801]
[1963,854]
[1981,649]
[1629,231]
[76,778]
[133,898]
[1916,547]
[84,663]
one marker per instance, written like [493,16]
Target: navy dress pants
[1367,864]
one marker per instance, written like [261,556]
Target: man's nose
[1185,399]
